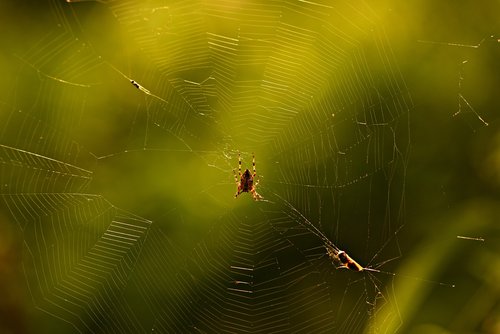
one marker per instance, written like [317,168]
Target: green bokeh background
[452,175]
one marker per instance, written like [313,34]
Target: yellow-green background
[452,172]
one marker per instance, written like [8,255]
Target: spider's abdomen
[246,181]
[246,185]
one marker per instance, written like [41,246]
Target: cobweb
[118,140]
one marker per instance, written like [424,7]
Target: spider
[246,182]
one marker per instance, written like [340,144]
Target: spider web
[122,193]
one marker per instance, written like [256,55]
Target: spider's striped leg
[255,179]
[255,195]
[236,177]
[239,190]
[253,163]
[237,182]
[239,164]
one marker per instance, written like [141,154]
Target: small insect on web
[345,260]
[340,258]
[135,83]
[470,238]
[246,181]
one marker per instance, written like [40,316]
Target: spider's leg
[239,163]
[255,195]
[237,191]
[253,163]
[236,177]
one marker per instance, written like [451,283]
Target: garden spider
[246,182]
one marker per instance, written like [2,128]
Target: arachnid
[246,182]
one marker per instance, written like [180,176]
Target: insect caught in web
[341,259]
[246,181]
[133,82]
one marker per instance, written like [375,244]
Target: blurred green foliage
[452,177]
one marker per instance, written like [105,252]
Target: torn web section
[341,162]
[353,296]
[241,278]
[352,138]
